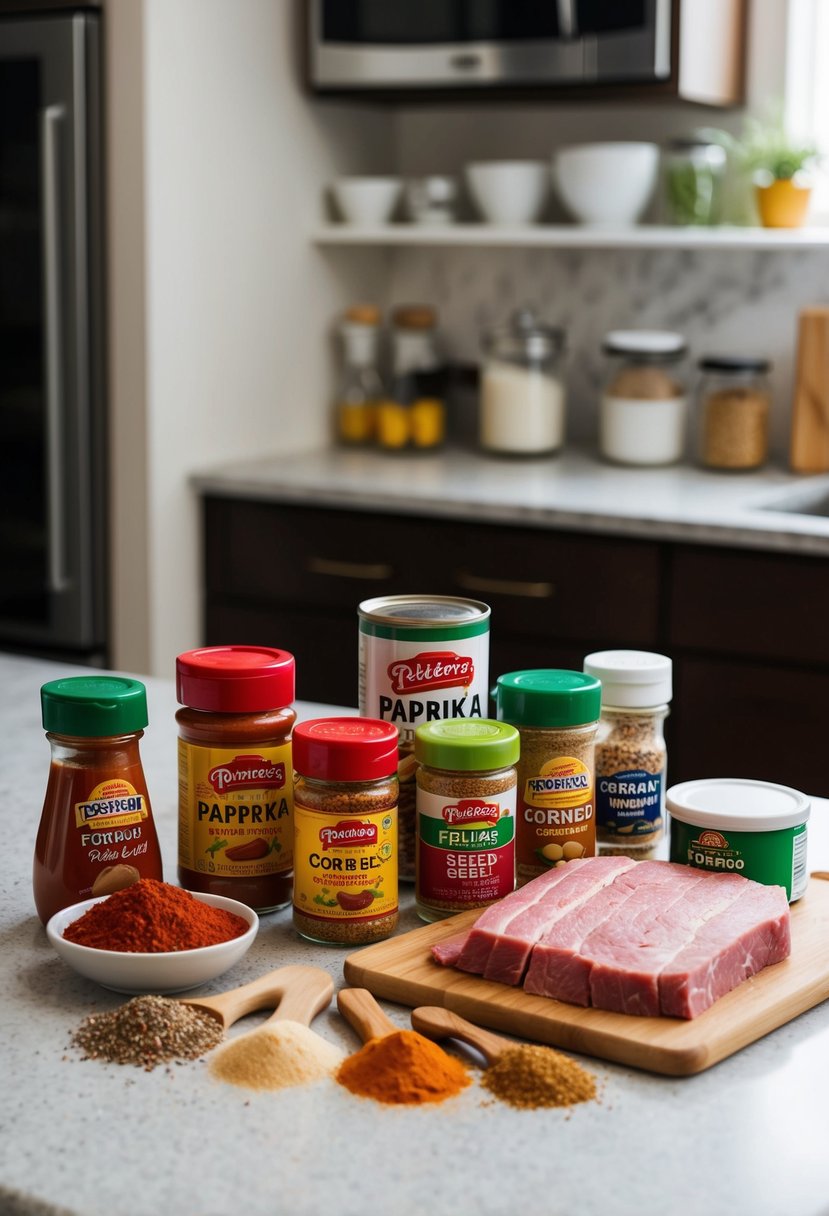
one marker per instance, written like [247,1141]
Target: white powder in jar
[522,410]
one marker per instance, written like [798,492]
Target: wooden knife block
[810,412]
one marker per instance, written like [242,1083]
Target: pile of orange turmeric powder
[403,1068]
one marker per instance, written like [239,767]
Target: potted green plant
[779,167]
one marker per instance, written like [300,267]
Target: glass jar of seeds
[631,758]
[345,829]
[556,713]
[466,786]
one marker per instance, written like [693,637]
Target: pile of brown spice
[147,1031]
[529,1076]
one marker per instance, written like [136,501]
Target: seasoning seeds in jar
[556,713]
[423,658]
[345,830]
[466,788]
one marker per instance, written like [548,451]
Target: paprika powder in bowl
[133,955]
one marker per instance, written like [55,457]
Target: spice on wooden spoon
[523,1074]
[399,1067]
[283,1051]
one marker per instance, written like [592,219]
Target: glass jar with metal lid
[466,787]
[556,713]
[413,414]
[643,406]
[522,392]
[694,175]
[734,401]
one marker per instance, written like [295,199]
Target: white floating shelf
[574,236]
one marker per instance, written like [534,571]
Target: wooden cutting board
[402,970]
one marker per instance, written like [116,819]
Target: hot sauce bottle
[96,814]
[236,831]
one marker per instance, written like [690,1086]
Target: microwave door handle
[567,24]
[51,124]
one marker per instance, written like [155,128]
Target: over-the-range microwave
[463,45]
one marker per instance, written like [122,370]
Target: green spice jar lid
[548,698]
[94,707]
[467,744]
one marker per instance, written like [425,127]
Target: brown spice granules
[630,742]
[529,1076]
[148,1031]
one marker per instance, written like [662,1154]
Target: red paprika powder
[96,813]
[236,799]
[151,917]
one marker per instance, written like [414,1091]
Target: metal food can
[423,658]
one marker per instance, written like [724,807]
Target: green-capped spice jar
[466,789]
[736,826]
[556,713]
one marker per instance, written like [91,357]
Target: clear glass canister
[522,391]
[361,388]
[694,172]
[466,789]
[557,714]
[96,830]
[412,416]
[734,403]
[642,413]
[345,830]
[631,757]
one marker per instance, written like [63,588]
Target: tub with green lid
[731,825]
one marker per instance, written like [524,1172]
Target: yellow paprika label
[115,802]
[235,810]
[345,868]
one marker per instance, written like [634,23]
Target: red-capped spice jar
[235,824]
[345,830]
[96,829]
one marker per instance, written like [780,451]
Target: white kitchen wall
[220,308]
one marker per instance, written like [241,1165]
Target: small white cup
[509,191]
[366,201]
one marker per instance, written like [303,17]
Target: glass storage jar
[361,388]
[643,406]
[734,402]
[522,391]
[412,416]
[694,174]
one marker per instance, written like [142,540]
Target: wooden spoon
[299,993]
[363,1014]
[437,1023]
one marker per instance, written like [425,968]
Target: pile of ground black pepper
[147,1031]
[531,1076]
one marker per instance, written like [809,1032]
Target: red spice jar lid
[345,749]
[235,679]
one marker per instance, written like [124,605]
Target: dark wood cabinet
[746,630]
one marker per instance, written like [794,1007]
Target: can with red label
[423,658]
[466,795]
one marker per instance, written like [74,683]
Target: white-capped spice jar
[642,413]
[631,757]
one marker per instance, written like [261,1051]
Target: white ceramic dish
[366,201]
[606,184]
[509,191]
[157,973]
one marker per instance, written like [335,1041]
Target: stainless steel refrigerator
[53,578]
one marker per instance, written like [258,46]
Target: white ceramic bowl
[508,191]
[606,184]
[366,200]
[156,973]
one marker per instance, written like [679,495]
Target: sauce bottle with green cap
[466,787]
[557,715]
[96,813]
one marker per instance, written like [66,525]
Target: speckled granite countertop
[82,1138]
[572,491]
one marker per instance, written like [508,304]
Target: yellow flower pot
[783,203]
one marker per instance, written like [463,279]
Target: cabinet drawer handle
[377,571]
[505,586]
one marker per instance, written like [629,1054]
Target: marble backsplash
[724,302]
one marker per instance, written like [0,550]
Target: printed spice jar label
[557,817]
[111,820]
[345,869]
[466,848]
[628,803]
[236,810]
